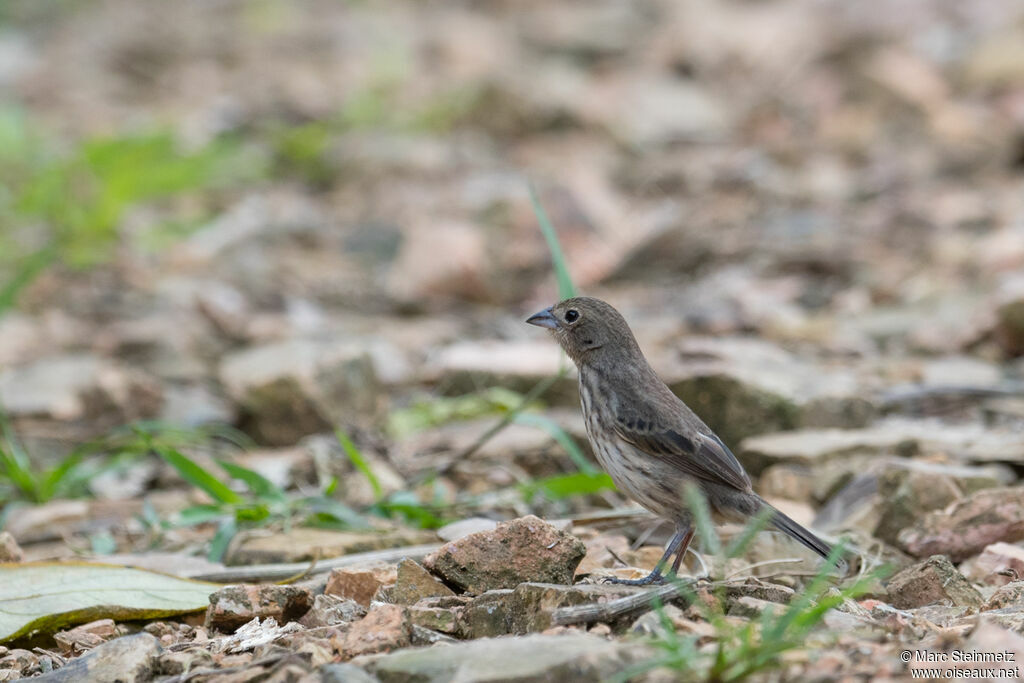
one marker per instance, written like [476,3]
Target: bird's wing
[700,455]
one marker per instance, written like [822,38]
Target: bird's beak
[544,318]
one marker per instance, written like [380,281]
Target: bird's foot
[652,578]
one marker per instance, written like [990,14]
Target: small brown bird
[649,441]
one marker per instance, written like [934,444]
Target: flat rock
[666,110]
[489,615]
[984,636]
[58,518]
[302,544]
[79,386]
[971,442]
[126,659]
[384,628]
[531,604]
[882,496]
[600,30]
[10,551]
[51,387]
[744,387]
[967,526]
[997,565]
[359,583]
[811,446]
[413,583]
[437,615]
[178,564]
[530,658]
[935,580]
[1008,595]
[177,663]
[86,636]
[195,405]
[460,274]
[466,366]
[297,387]
[960,371]
[233,606]
[1009,618]
[753,608]
[652,623]
[281,409]
[908,489]
[1009,329]
[524,549]
[757,589]
[331,610]
[789,481]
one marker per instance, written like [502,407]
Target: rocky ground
[810,212]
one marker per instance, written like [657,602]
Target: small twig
[765,563]
[305,572]
[285,570]
[536,392]
[607,518]
[615,555]
[638,602]
[647,533]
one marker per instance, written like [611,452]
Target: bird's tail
[791,528]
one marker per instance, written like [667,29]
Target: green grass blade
[698,506]
[63,472]
[803,601]
[219,545]
[327,509]
[28,270]
[260,486]
[566,485]
[357,460]
[23,480]
[739,543]
[411,508]
[198,477]
[15,464]
[200,514]
[566,288]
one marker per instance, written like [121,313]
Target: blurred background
[233,226]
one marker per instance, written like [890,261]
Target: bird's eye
[572,315]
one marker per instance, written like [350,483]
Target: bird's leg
[678,545]
[683,545]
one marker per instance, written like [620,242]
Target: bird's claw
[650,579]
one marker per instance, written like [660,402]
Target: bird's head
[586,328]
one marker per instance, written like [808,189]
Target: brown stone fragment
[10,551]
[1010,595]
[413,583]
[384,628]
[524,549]
[935,580]
[232,606]
[967,526]
[359,583]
